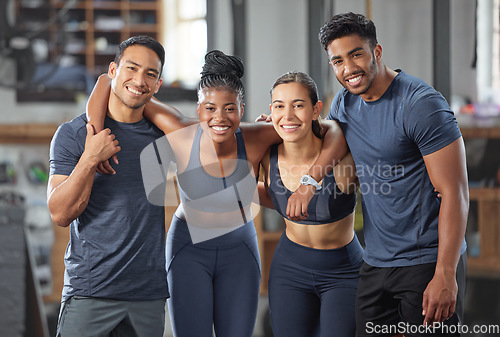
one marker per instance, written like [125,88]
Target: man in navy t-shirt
[406,144]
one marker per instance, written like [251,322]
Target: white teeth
[220,128]
[134,91]
[355,79]
[289,126]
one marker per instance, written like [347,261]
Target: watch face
[304,180]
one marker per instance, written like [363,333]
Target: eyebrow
[225,104]
[295,100]
[138,65]
[336,57]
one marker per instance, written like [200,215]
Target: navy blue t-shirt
[116,248]
[387,139]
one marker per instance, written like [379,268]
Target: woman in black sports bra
[314,273]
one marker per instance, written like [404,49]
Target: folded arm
[68,196]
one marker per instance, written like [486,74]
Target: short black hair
[145,41]
[344,24]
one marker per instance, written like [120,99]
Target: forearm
[333,150]
[67,198]
[97,104]
[264,197]
[452,226]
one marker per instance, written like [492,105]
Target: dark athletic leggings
[213,284]
[312,292]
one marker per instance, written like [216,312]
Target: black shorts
[389,301]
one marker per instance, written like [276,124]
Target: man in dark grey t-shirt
[115,279]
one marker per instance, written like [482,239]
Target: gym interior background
[52,50]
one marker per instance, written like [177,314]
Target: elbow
[63,217]
[60,220]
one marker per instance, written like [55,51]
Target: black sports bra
[327,205]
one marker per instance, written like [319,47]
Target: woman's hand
[264,118]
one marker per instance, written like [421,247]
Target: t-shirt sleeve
[431,123]
[334,108]
[64,151]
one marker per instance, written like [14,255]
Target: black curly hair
[344,24]
[222,71]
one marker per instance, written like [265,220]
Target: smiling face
[355,64]
[293,112]
[137,77]
[220,113]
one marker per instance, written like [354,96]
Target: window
[488,50]
[185,41]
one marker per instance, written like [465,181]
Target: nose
[349,66]
[140,78]
[219,115]
[289,113]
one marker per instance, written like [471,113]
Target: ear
[198,109]
[317,108]
[242,110]
[112,70]
[158,84]
[378,52]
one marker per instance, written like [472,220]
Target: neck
[122,113]
[382,81]
[304,150]
[222,150]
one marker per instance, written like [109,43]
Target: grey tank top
[206,193]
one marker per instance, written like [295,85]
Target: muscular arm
[447,171]
[68,196]
[345,175]
[333,150]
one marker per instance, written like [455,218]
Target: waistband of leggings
[179,230]
[321,259]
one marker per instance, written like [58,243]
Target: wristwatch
[308,180]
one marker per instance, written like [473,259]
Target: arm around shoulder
[97,104]
[345,175]
[166,117]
